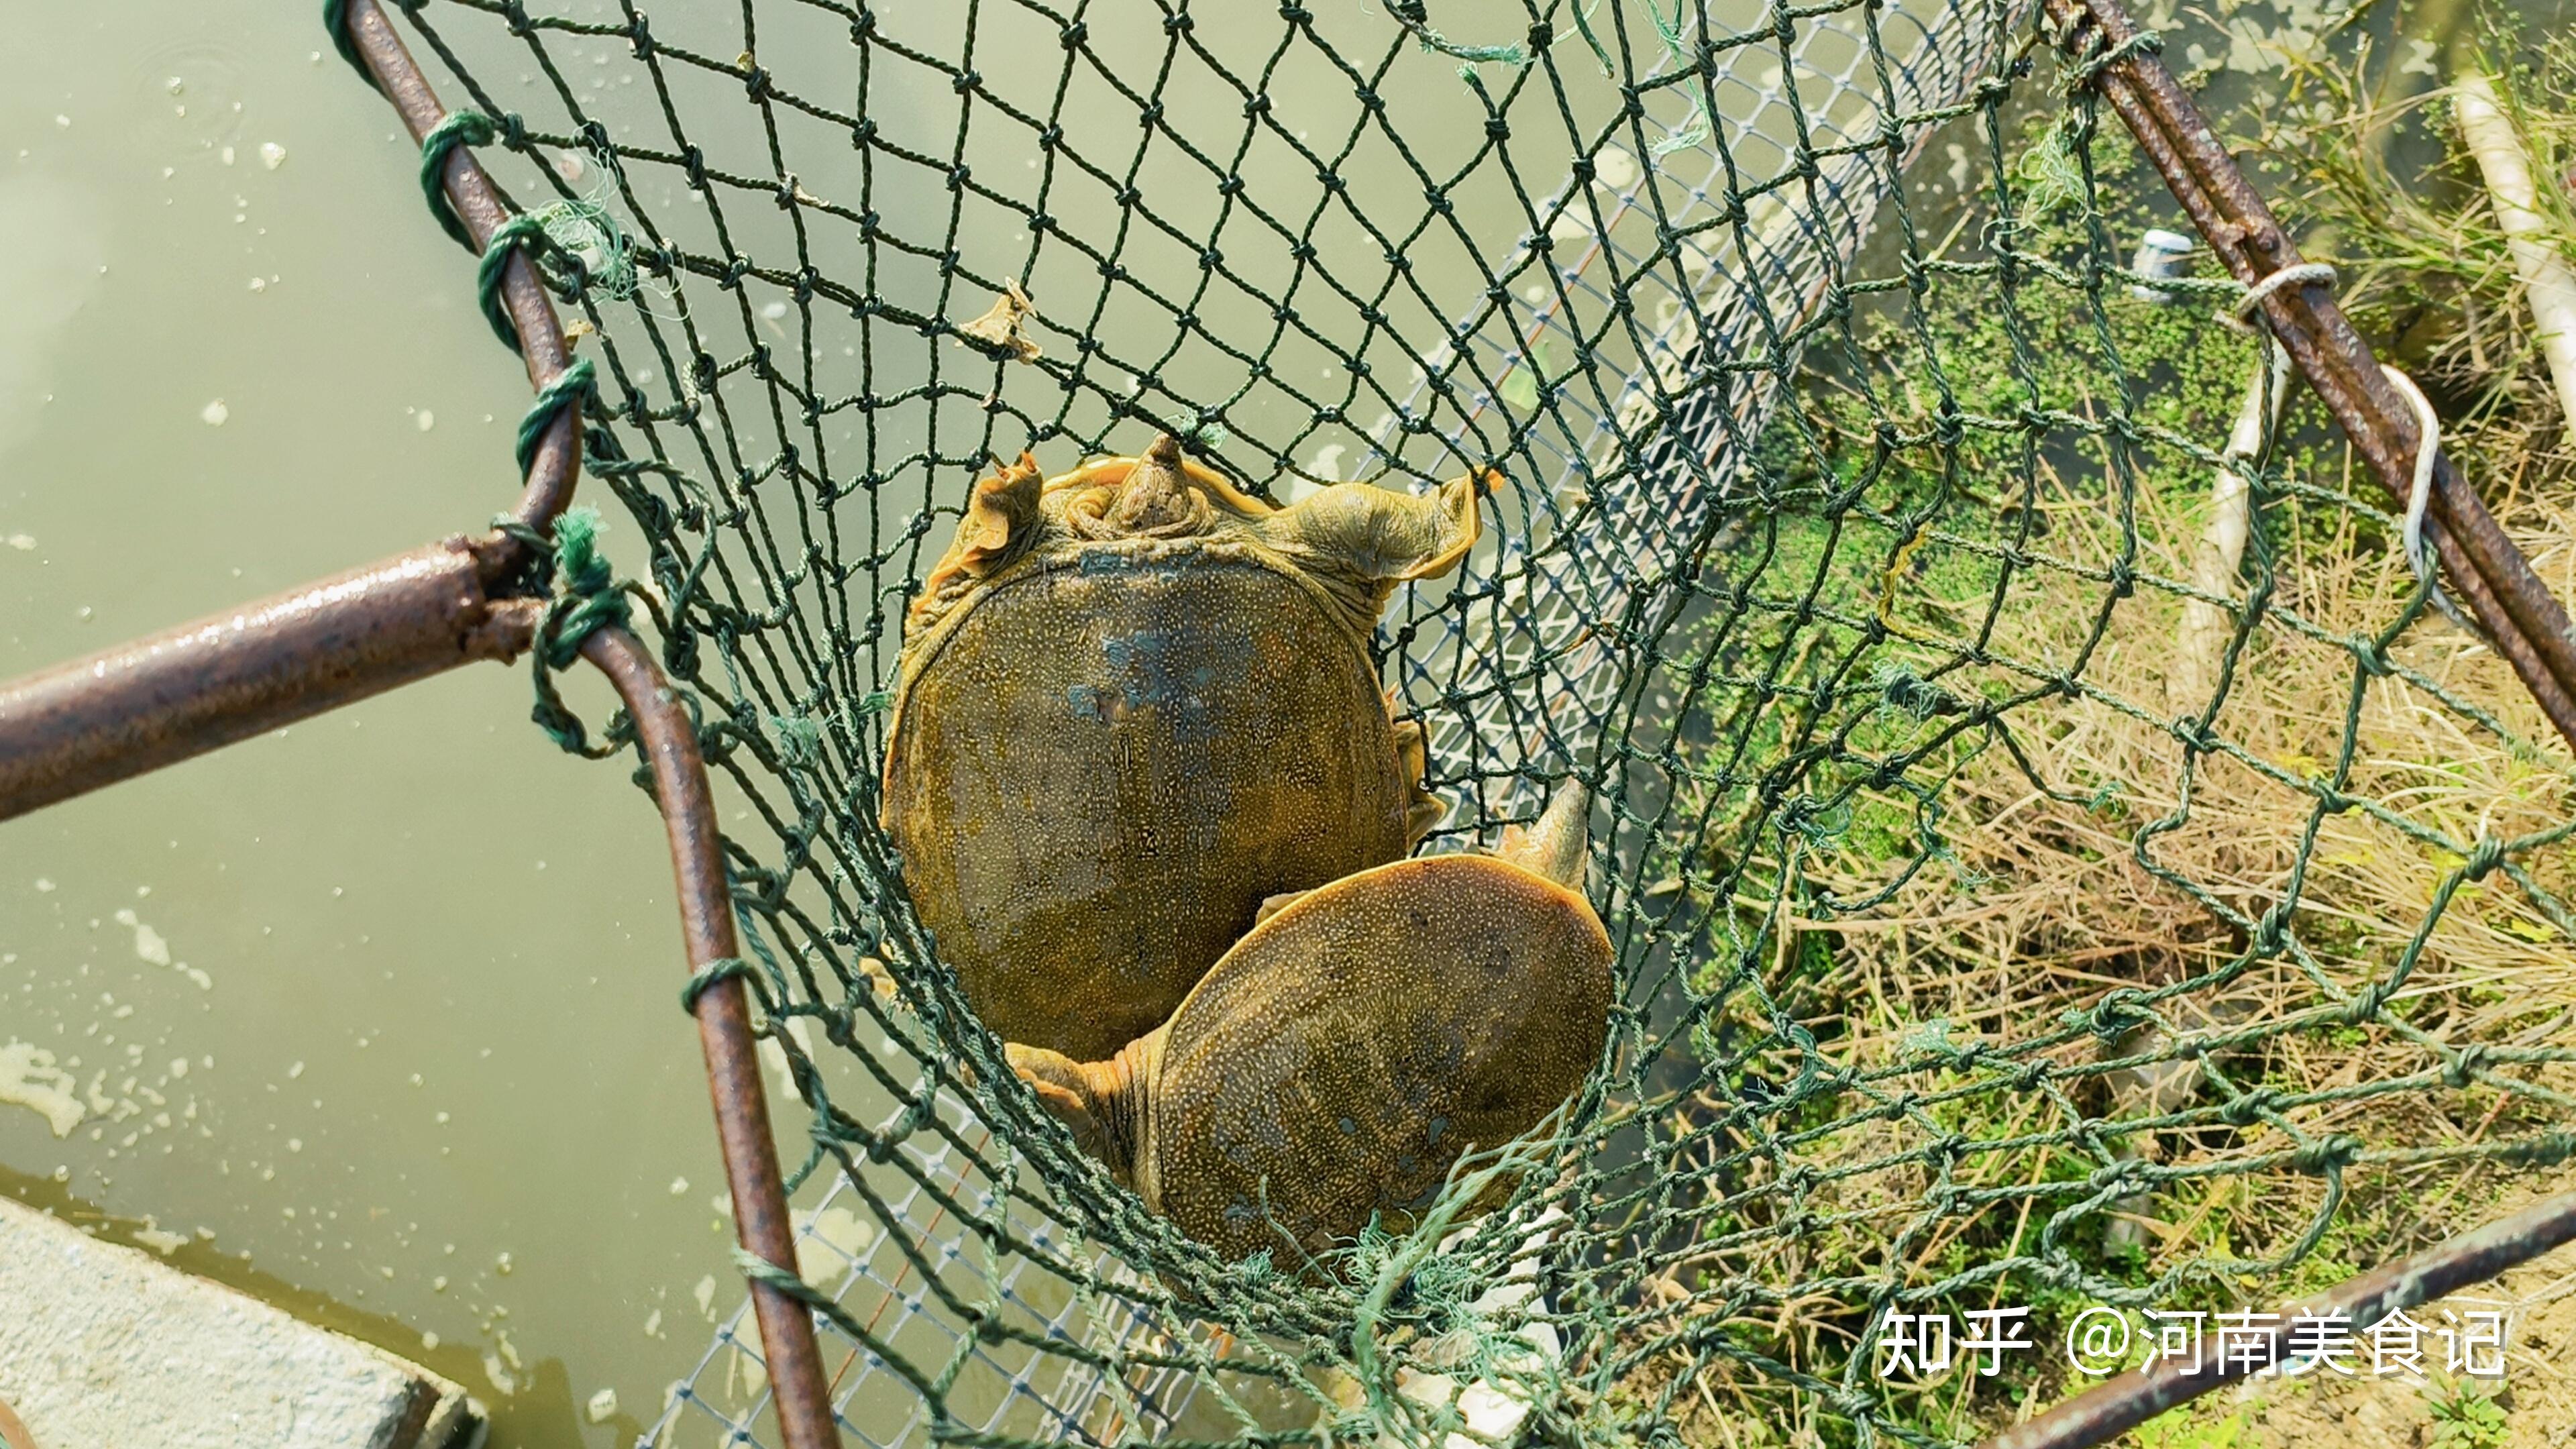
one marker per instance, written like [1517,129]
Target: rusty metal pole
[169,696]
[724,1031]
[2109,1410]
[555,467]
[799,1392]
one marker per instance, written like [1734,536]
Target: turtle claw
[1064,1087]
[1423,811]
[1558,844]
[1273,905]
[1102,1103]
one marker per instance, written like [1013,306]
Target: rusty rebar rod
[554,468]
[2108,1410]
[799,1393]
[2486,569]
[169,696]
[724,1031]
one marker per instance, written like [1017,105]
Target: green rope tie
[456,128]
[570,388]
[2322,1159]
[575,246]
[518,232]
[335,18]
[2484,857]
[1412,15]
[713,974]
[588,597]
[2088,69]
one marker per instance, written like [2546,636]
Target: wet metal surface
[170,696]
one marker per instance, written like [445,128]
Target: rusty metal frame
[2109,1410]
[2484,568]
[182,692]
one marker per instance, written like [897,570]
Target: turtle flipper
[1381,534]
[1105,1104]
[1000,521]
[1362,540]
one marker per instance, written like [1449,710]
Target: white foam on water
[29,1078]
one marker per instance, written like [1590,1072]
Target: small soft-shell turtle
[1347,1050]
[1134,702]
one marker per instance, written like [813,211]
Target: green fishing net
[2055,857]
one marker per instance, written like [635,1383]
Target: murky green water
[420,969]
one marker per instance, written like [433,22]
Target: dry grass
[2099,852]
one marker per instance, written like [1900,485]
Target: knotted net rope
[1841,531]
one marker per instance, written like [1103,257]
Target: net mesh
[2038,818]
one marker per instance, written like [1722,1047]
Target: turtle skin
[1338,1061]
[1133,703]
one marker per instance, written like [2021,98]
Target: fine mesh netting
[2035,825]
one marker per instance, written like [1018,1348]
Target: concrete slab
[105,1347]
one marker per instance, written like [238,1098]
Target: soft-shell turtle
[1348,1049]
[1133,703]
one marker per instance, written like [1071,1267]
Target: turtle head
[1156,496]
[1557,845]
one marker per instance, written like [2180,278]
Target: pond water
[374,1016]
[380,1007]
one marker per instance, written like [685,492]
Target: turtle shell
[1130,709]
[1344,1054]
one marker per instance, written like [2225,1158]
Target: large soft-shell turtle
[1346,1051]
[1133,703]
